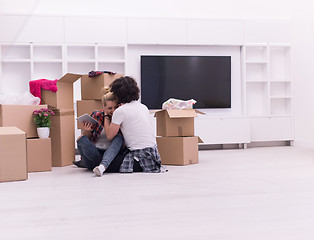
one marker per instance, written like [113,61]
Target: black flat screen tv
[206,79]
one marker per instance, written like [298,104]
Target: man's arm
[111,129]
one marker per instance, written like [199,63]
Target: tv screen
[206,79]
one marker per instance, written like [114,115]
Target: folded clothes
[97,73]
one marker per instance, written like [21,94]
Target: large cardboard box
[175,122]
[13,166]
[63,97]
[20,116]
[62,136]
[87,106]
[38,154]
[91,87]
[178,150]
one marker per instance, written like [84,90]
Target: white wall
[303,49]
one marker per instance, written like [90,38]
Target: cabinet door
[215,32]
[223,130]
[267,31]
[271,129]
[156,31]
[19,29]
[95,30]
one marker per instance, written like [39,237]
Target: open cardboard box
[63,97]
[178,150]
[176,122]
[20,116]
[91,87]
[13,165]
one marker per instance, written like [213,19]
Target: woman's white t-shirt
[136,125]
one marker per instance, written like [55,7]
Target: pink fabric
[35,86]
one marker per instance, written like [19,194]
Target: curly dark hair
[125,89]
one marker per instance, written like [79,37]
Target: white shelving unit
[267,88]
[21,63]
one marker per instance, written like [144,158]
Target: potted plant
[43,122]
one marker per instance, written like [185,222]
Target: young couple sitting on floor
[123,140]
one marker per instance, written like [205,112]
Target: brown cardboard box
[91,87]
[175,122]
[178,150]
[20,116]
[13,166]
[87,106]
[62,137]
[38,154]
[63,97]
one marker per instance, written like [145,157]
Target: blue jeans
[92,156]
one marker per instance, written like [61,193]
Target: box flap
[10,131]
[198,111]
[70,77]
[179,113]
[200,140]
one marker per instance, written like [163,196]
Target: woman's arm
[111,129]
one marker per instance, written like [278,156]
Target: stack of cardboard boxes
[176,143]
[63,122]
[91,93]
[21,151]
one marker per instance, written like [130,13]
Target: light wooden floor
[255,193]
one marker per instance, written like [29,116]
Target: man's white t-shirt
[135,124]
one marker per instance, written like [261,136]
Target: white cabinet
[224,130]
[156,31]
[25,29]
[21,63]
[215,32]
[271,129]
[100,30]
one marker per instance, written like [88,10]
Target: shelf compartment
[49,71]
[80,67]
[278,89]
[47,52]
[280,65]
[256,98]
[256,72]
[15,76]
[106,53]
[15,52]
[113,67]
[281,106]
[81,52]
[256,53]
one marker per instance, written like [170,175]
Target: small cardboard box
[38,154]
[87,106]
[178,150]
[91,87]
[20,116]
[63,97]
[62,136]
[175,122]
[13,165]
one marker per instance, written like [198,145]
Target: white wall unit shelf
[267,87]
[21,63]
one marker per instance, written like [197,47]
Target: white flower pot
[43,132]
